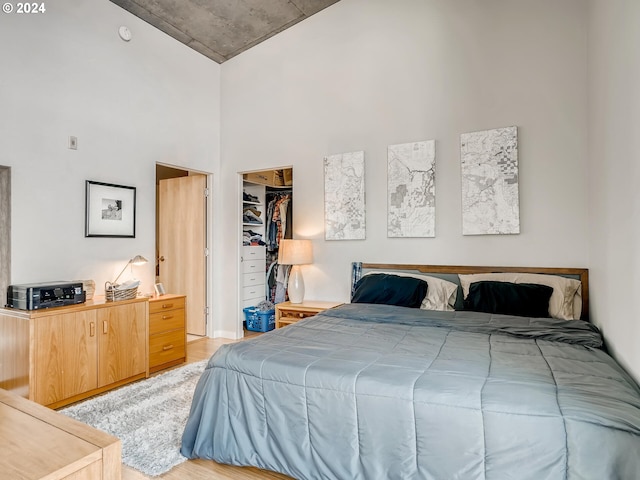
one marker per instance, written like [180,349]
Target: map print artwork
[411,202]
[344,209]
[490,203]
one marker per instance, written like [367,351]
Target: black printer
[35,296]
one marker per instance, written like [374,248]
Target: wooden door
[182,244]
[66,362]
[123,342]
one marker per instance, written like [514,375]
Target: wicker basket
[113,294]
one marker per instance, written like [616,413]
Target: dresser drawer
[166,347]
[254,253]
[249,279]
[251,302]
[296,314]
[254,291]
[162,305]
[253,266]
[165,321]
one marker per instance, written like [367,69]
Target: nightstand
[167,332]
[288,313]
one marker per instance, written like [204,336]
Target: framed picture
[159,289]
[110,210]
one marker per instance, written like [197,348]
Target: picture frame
[110,210]
[159,289]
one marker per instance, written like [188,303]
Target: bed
[378,390]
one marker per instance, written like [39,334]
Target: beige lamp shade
[139,260]
[295,252]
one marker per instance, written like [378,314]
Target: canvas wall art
[344,202]
[411,190]
[489,166]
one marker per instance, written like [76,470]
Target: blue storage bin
[259,321]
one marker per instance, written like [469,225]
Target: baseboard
[225,334]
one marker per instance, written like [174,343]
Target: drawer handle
[167,305]
[167,317]
[167,347]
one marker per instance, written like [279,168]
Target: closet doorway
[181,240]
[267,217]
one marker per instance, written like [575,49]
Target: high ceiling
[221,29]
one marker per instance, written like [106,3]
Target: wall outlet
[73,143]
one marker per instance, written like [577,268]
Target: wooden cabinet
[122,342]
[167,334]
[64,354]
[65,351]
[288,313]
[38,443]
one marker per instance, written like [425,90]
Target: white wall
[614,171]
[66,72]
[364,74]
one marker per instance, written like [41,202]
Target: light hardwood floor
[197,350]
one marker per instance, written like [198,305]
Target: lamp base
[295,287]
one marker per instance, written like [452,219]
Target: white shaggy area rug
[148,417]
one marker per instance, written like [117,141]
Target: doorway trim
[209,327]
[239,291]
[5,228]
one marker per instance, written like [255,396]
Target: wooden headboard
[581,274]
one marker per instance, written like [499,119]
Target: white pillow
[566,295]
[441,294]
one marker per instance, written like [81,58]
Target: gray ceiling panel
[309,7]
[221,29]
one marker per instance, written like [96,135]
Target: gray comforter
[375,392]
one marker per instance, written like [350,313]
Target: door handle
[161,258]
[92,329]
[105,326]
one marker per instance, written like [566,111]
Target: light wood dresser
[38,443]
[167,331]
[288,313]
[60,355]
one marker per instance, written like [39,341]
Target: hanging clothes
[278,225]
[278,214]
[282,279]
[277,280]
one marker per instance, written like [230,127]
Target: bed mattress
[375,391]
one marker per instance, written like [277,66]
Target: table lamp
[137,260]
[295,253]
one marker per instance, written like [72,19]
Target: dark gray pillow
[390,290]
[506,298]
